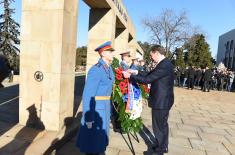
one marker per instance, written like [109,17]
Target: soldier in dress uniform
[94,131]
[126,58]
[135,64]
[142,67]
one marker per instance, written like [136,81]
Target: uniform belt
[102,98]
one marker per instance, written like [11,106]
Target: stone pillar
[121,40]
[101,29]
[132,47]
[48,45]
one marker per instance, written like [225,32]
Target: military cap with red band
[104,47]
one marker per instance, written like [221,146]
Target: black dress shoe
[162,150]
[154,148]
[165,150]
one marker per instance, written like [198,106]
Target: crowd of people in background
[205,79]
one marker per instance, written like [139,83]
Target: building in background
[226,50]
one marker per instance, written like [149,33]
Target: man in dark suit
[161,97]
[191,75]
[207,79]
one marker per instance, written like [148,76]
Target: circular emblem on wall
[38,76]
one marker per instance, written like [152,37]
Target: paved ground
[19,140]
[200,124]
[9,104]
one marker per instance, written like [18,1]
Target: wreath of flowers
[120,100]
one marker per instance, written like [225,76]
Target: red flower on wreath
[146,89]
[119,71]
[126,81]
[124,91]
[123,87]
[119,77]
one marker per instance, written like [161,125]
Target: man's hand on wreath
[126,74]
[135,72]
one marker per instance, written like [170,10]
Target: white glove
[89,124]
[134,72]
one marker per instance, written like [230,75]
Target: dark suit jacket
[191,73]
[4,68]
[162,82]
[207,75]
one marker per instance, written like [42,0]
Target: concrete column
[132,47]
[121,40]
[48,45]
[101,29]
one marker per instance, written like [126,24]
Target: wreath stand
[129,141]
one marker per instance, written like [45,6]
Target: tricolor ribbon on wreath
[134,101]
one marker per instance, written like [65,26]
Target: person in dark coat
[178,76]
[191,76]
[213,80]
[161,97]
[202,79]
[207,79]
[198,77]
[219,80]
[185,76]
[4,69]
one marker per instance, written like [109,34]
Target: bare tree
[169,29]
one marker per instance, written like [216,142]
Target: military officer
[142,67]
[135,64]
[94,130]
[126,58]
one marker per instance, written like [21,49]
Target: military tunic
[134,67]
[124,65]
[99,83]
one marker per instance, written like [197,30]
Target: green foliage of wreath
[127,125]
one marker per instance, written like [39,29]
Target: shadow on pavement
[70,132]
[78,90]
[9,117]
[9,108]
[25,136]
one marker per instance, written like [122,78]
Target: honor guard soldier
[126,58]
[135,64]
[142,67]
[94,130]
